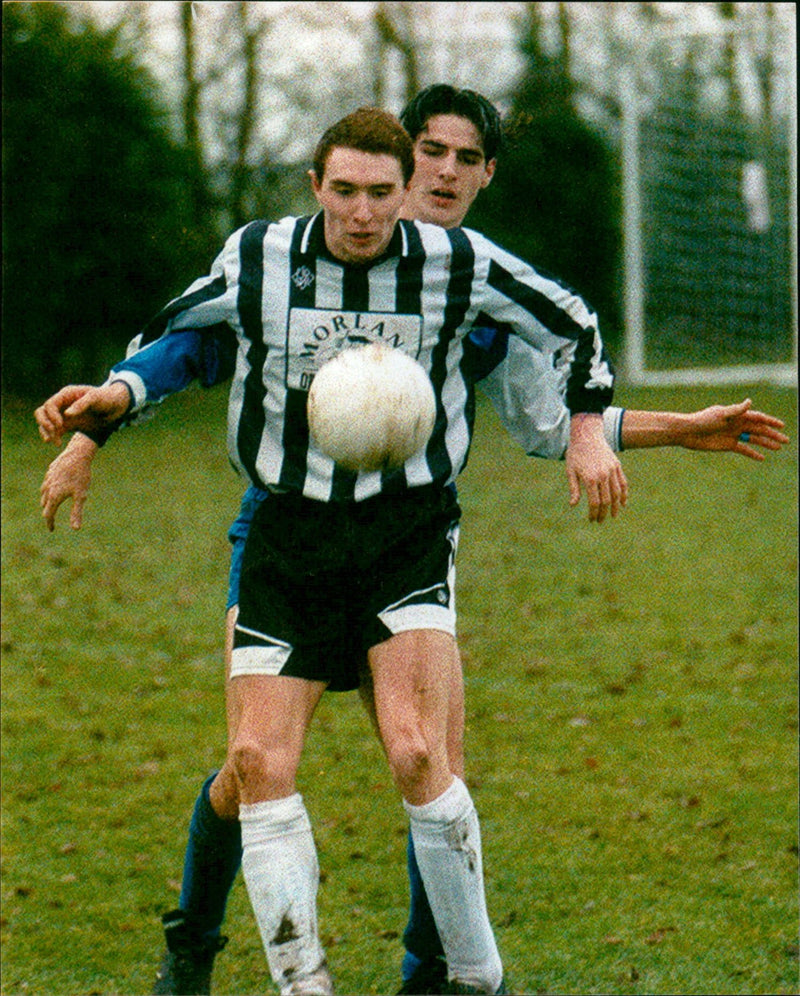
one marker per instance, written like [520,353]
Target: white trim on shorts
[269,658]
[401,617]
[419,617]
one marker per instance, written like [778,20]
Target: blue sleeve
[169,364]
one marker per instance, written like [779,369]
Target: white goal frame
[636,370]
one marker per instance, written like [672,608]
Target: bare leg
[279,860]
[412,675]
[455,710]
[224,791]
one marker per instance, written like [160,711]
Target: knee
[249,762]
[261,773]
[224,794]
[410,758]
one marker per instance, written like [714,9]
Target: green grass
[632,721]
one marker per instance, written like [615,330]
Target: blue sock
[420,937]
[213,857]
[410,965]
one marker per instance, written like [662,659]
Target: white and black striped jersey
[291,306]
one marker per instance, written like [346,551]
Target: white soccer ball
[371,408]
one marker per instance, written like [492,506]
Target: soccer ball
[371,408]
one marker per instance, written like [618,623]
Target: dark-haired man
[457,134]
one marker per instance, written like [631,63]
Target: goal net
[710,225]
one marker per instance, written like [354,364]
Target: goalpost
[710,229]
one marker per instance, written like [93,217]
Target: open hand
[734,427]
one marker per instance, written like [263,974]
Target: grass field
[632,721]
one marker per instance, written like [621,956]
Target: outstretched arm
[68,476]
[719,428]
[164,367]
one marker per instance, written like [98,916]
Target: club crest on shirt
[315,335]
[302,277]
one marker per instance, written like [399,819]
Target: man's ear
[489,173]
[316,185]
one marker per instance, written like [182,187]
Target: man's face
[360,194]
[450,171]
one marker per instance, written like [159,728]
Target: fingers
[53,493]
[760,418]
[574,488]
[767,434]
[604,503]
[620,492]
[52,499]
[607,496]
[773,440]
[49,508]
[50,415]
[747,451]
[81,405]
[76,515]
[612,496]
[594,498]
[49,422]
[761,430]
[606,493]
[757,428]
[759,422]
[767,440]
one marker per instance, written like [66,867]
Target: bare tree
[565,32]
[199,195]
[251,31]
[252,84]
[394,24]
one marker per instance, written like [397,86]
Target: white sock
[447,842]
[279,862]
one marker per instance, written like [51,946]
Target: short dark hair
[369,129]
[441,98]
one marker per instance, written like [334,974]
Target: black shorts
[323,582]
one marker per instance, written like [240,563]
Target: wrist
[83,444]
[585,425]
[137,391]
[122,397]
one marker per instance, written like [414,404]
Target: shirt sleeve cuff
[136,387]
[612,427]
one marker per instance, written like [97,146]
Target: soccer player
[342,569]
[457,134]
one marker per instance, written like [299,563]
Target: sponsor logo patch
[316,335]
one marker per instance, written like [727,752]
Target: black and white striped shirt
[292,305]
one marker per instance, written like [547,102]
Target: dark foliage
[94,200]
[555,198]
